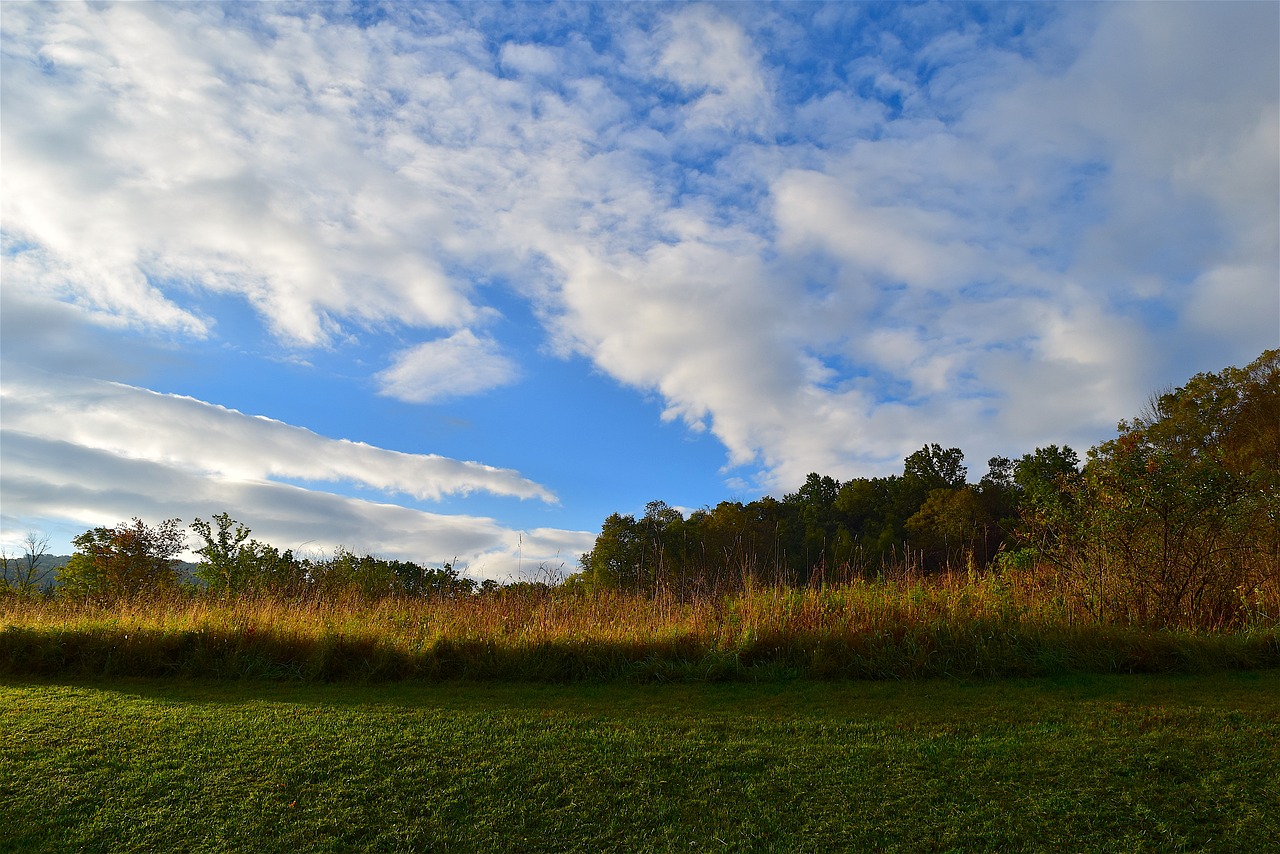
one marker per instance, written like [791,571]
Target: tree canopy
[1173,516]
[127,560]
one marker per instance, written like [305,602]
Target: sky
[455,282]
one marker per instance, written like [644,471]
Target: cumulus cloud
[461,364]
[1083,201]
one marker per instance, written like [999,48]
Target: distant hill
[46,568]
[48,565]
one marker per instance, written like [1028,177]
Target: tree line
[136,559]
[926,519]
[1175,519]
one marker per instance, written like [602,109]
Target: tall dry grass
[954,625]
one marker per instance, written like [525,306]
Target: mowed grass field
[1073,763]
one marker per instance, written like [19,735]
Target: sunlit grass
[951,626]
[1083,763]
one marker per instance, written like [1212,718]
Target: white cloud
[1025,219]
[966,274]
[84,487]
[164,145]
[528,58]
[458,365]
[903,242]
[711,57]
[201,438]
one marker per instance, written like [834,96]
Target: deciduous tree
[1180,512]
[226,565]
[23,575]
[127,560]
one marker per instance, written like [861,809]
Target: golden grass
[957,625]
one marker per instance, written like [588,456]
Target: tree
[872,512]
[660,555]
[739,544]
[23,575]
[349,573]
[615,559]
[231,563]
[952,528]
[813,530]
[1180,512]
[127,560]
[1041,478]
[276,572]
[1000,497]
[419,580]
[1232,416]
[373,577]
[933,468]
[1048,486]
[226,565]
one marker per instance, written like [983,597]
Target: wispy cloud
[84,486]
[203,438]
[152,149]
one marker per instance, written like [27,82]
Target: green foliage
[1176,522]
[1172,523]
[933,468]
[1180,512]
[441,582]
[647,554]
[227,563]
[272,571]
[826,532]
[1048,486]
[365,575]
[370,577]
[1040,476]
[124,561]
[232,564]
[615,559]
[953,527]
[1016,561]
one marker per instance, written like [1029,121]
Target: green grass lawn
[1158,763]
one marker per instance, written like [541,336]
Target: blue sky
[436,281]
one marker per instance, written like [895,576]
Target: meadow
[958,712]
[1098,763]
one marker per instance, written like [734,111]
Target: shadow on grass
[920,652]
[907,705]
